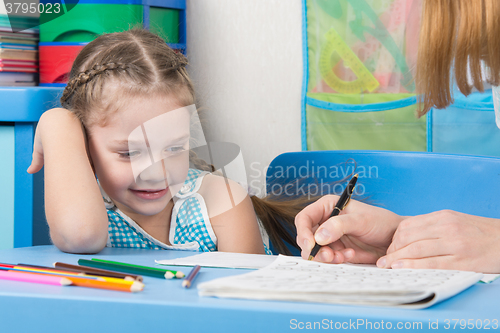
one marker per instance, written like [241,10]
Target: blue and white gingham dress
[190,227]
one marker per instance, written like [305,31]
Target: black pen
[344,199]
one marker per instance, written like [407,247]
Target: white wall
[246,63]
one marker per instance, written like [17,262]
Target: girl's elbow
[79,244]
[83,240]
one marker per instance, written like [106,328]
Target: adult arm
[445,240]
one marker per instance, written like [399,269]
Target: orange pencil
[134,286]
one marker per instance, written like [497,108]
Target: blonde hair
[458,34]
[136,61]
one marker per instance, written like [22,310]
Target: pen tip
[355,176]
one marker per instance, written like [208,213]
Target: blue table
[164,306]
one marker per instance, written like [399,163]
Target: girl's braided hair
[137,61]
[141,62]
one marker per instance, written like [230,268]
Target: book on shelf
[16,46]
[18,63]
[22,36]
[16,54]
[18,84]
[8,78]
[23,69]
[29,42]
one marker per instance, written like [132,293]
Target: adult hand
[445,240]
[361,233]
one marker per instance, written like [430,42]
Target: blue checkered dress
[190,227]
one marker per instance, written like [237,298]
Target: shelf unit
[21,109]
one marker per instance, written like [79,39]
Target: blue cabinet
[22,215]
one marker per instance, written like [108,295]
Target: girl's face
[141,156]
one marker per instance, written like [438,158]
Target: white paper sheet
[222,260]
[295,279]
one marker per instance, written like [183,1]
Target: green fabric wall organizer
[359,92]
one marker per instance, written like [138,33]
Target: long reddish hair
[457,37]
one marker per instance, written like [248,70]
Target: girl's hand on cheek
[37,159]
[49,121]
[50,124]
[445,240]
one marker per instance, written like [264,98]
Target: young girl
[126,121]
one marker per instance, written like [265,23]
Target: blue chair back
[407,183]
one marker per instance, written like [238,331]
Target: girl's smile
[141,158]
[150,194]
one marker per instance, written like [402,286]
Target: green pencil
[130,268]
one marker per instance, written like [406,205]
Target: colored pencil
[6,265]
[191,276]
[66,271]
[133,286]
[39,271]
[130,268]
[67,274]
[169,274]
[47,271]
[34,278]
[97,271]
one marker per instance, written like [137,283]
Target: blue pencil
[191,276]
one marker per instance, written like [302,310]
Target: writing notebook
[295,279]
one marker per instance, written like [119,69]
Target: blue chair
[407,183]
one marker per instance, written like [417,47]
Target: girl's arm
[74,207]
[232,216]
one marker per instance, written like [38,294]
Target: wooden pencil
[68,271]
[130,268]
[6,265]
[134,286]
[34,278]
[71,274]
[168,272]
[68,274]
[191,276]
[40,271]
[97,271]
